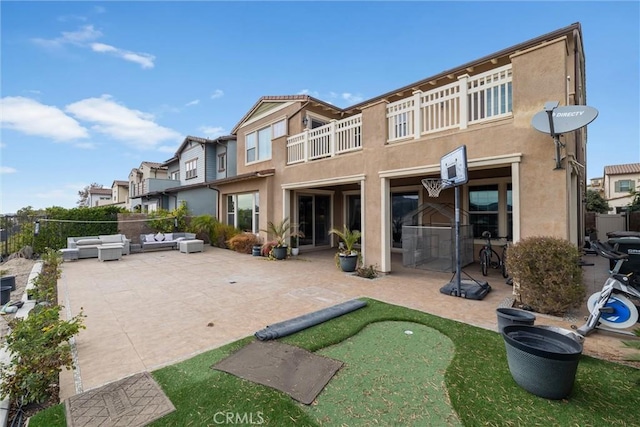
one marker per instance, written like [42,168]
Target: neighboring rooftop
[622,169]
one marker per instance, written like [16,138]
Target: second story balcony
[469,100]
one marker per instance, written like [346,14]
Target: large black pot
[542,361]
[280,252]
[513,316]
[348,263]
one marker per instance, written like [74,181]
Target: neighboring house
[597,185]
[144,184]
[120,194]
[98,196]
[362,166]
[195,167]
[620,181]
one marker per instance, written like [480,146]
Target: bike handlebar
[607,251]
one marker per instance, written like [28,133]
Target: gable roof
[622,169]
[120,183]
[265,103]
[448,74]
[153,165]
[95,190]
[189,138]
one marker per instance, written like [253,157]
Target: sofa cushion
[168,236]
[85,242]
[114,238]
[159,237]
[149,238]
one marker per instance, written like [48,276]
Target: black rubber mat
[292,370]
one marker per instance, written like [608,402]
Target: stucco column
[515,200]
[385,221]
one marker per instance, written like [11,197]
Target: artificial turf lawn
[478,382]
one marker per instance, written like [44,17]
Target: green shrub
[38,344]
[244,242]
[546,274]
[223,233]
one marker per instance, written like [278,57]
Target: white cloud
[7,170]
[352,98]
[33,118]
[144,59]
[133,127]
[84,35]
[67,18]
[86,145]
[212,131]
[194,102]
[217,94]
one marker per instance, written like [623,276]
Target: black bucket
[8,281]
[514,316]
[5,294]
[256,250]
[542,361]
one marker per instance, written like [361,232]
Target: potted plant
[347,256]
[279,232]
[295,241]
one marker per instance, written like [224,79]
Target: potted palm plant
[347,256]
[279,232]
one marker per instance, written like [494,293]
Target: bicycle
[612,308]
[490,258]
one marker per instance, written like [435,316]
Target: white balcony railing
[337,137]
[469,100]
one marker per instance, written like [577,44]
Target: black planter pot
[542,361]
[280,252]
[513,316]
[256,250]
[348,263]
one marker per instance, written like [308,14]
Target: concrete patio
[153,309]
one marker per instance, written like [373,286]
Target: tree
[596,203]
[84,193]
[635,204]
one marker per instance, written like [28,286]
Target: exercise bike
[611,309]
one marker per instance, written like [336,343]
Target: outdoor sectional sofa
[164,240]
[87,246]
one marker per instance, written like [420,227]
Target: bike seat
[606,251]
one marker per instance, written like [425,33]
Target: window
[401,205]
[258,145]
[279,128]
[243,211]
[191,168]
[175,175]
[222,162]
[483,209]
[624,185]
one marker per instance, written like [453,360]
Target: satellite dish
[565,119]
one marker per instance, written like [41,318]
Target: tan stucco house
[324,166]
[620,183]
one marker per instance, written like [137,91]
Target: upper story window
[175,175]
[258,145]
[222,162]
[191,168]
[279,128]
[624,186]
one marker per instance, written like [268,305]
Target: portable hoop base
[469,289]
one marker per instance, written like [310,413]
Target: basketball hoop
[434,186]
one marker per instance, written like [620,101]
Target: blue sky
[91,89]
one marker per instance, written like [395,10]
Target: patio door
[314,219]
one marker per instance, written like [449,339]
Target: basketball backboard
[453,167]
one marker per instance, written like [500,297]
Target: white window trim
[187,170]
[256,130]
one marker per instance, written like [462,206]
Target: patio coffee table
[109,252]
[189,246]
[70,254]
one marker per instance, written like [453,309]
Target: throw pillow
[168,236]
[159,237]
[149,238]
